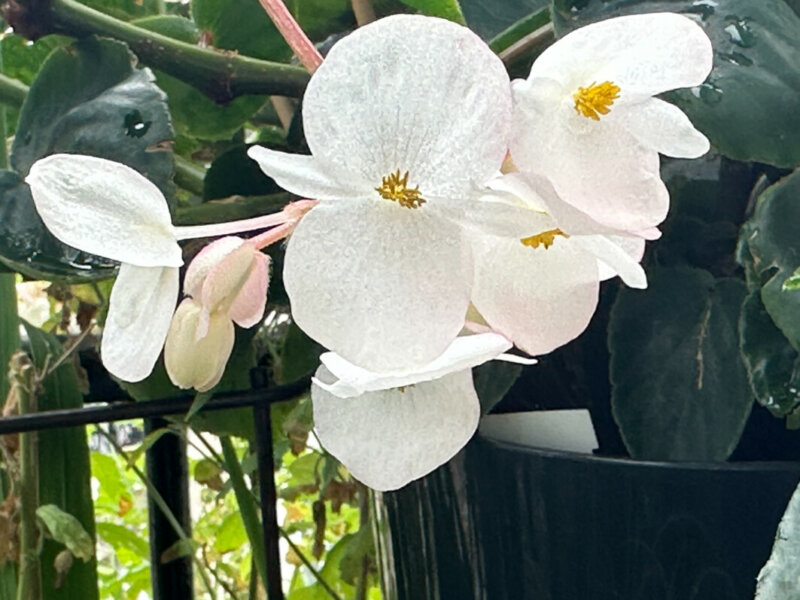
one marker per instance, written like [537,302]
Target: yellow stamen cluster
[546,238]
[395,187]
[595,100]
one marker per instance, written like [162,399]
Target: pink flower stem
[273,235]
[291,213]
[297,39]
[218,229]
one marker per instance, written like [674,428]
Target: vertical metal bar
[168,469]
[268,497]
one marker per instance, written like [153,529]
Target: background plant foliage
[179,90]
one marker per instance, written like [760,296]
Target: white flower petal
[620,260]
[413,93]
[538,298]
[193,362]
[643,54]
[307,176]
[464,353]
[105,208]
[601,170]
[139,313]
[384,286]
[660,126]
[391,437]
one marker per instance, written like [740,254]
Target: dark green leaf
[490,17]
[87,99]
[240,25]
[64,472]
[194,113]
[680,390]
[773,366]
[773,253]
[90,99]
[234,173]
[748,105]
[493,380]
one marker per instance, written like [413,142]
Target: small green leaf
[67,530]
[445,9]
[792,282]
[680,389]
[179,549]
[779,576]
[205,470]
[230,534]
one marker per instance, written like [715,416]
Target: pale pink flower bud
[194,361]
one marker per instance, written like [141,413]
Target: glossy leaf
[747,107]
[87,99]
[773,366]
[773,253]
[680,390]
[64,472]
[779,578]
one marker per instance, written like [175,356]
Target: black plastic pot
[501,522]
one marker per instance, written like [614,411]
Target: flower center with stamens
[546,238]
[595,100]
[395,187]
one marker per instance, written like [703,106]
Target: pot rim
[753,465]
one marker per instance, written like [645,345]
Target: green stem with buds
[24,380]
[221,75]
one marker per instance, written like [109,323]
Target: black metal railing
[169,578]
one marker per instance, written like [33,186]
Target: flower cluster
[454,214]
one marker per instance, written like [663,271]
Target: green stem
[161,503]
[29,586]
[247,506]
[317,575]
[189,175]
[12,92]
[230,209]
[222,76]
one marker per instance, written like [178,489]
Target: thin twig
[535,40]
[363,11]
[317,575]
[160,502]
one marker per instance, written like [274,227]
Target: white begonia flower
[587,119]
[537,282]
[390,430]
[106,208]
[226,283]
[405,118]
